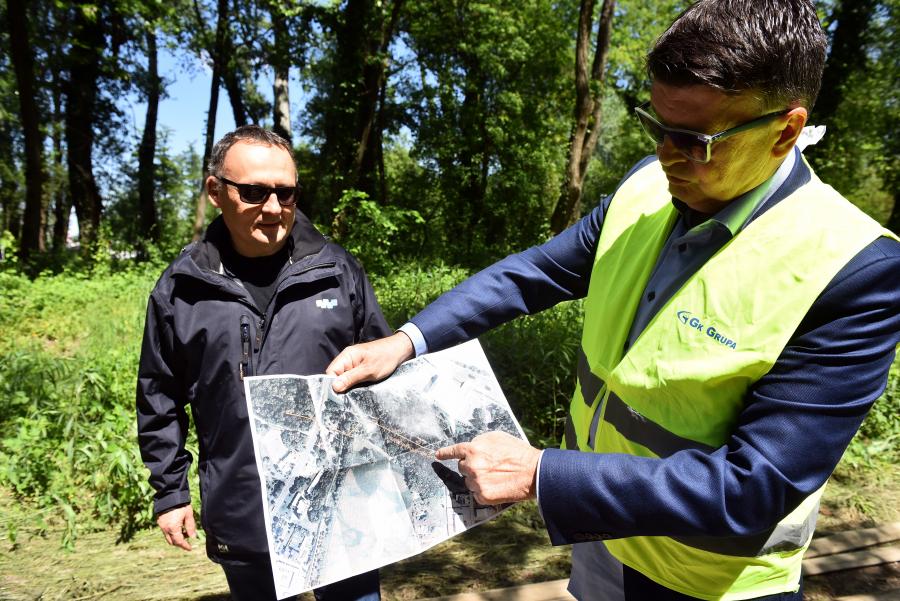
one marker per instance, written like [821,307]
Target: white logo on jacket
[326,303]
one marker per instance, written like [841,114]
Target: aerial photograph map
[350,482]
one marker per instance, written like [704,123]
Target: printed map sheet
[350,482]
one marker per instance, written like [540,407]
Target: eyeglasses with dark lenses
[691,144]
[256,194]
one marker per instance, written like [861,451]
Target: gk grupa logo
[692,321]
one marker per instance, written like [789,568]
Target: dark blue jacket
[797,420]
[202,332]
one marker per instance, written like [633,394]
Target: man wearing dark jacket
[262,293]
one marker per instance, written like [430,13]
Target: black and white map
[350,482]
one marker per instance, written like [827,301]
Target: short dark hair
[253,134]
[775,48]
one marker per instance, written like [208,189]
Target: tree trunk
[200,215]
[81,92]
[147,150]
[10,197]
[588,107]
[235,91]
[281,104]
[847,56]
[218,51]
[364,33]
[62,204]
[23,62]
[339,152]
[364,169]
[224,56]
[379,146]
[473,158]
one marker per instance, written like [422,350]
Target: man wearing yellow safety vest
[740,320]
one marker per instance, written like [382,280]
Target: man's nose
[668,154]
[271,205]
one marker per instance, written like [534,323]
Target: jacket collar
[305,240]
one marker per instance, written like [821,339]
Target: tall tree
[487,107]
[81,87]
[62,201]
[588,110]
[363,34]
[281,105]
[23,62]
[10,212]
[147,151]
[849,39]
[368,135]
[217,51]
[243,61]
[859,105]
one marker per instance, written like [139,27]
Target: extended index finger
[457,451]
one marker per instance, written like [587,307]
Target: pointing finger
[457,451]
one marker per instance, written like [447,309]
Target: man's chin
[269,240]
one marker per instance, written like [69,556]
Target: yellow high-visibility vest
[682,383]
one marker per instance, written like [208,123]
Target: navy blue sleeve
[797,422]
[523,283]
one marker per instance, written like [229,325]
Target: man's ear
[790,131]
[212,190]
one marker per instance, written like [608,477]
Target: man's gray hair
[775,48]
[253,134]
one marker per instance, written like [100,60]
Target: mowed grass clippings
[859,497]
[510,550]
[507,551]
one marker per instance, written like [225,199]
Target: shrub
[67,378]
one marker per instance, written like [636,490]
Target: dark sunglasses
[694,145]
[255,194]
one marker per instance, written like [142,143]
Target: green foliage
[411,286]
[491,106]
[9,246]
[534,359]
[878,441]
[176,198]
[67,377]
[621,145]
[368,230]
[860,154]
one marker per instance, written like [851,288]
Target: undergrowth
[68,363]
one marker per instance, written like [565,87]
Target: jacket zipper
[259,332]
[245,367]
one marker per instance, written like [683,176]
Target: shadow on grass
[511,550]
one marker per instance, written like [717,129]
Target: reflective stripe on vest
[682,383]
